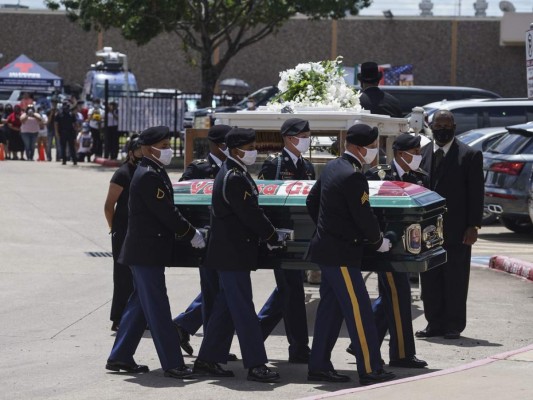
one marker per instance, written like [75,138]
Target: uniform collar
[240,164]
[291,155]
[217,160]
[354,157]
[399,169]
[150,162]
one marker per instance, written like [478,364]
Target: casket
[410,215]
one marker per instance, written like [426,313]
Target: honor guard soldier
[287,301]
[392,308]
[339,205]
[237,226]
[153,224]
[200,309]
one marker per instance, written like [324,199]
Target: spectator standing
[6,112]
[16,145]
[29,129]
[116,214]
[66,126]
[53,139]
[42,136]
[27,99]
[96,123]
[84,143]
[456,173]
[3,136]
[111,138]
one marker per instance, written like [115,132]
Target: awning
[26,74]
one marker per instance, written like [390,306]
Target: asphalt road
[54,302]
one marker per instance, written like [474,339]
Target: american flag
[396,74]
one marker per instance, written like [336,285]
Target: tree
[202,25]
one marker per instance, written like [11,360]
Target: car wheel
[517,224]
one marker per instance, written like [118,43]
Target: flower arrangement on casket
[315,86]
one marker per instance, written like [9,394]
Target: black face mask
[443,135]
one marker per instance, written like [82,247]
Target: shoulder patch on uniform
[364,198]
[160,193]
[201,161]
[272,157]
[421,171]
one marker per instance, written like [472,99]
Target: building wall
[426,43]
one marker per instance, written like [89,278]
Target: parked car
[482,139]
[507,167]
[484,113]
[416,96]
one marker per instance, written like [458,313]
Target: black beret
[153,135]
[217,133]
[239,136]
[406,141]
[294,126]
[361,134]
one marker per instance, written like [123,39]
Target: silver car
[508,166]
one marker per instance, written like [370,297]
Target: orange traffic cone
[41,152]
[2,152]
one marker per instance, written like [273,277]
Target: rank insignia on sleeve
[364,198]
[160,194]
[246,194]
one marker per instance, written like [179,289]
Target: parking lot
[55,330]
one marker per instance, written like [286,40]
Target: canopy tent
[26,74]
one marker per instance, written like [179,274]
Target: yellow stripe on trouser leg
[396,312]
[358,320]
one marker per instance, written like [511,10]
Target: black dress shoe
[328,376]
[232,357]
[182,372]
[408,362]
[262,374]
[131,368]
[428,333]
[211,369]
[114,326]
[184,340]
[376,377]
[452,334]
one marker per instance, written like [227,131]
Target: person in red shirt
[16,144]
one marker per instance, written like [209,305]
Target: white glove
[198,241]
[385,246]
[280,246]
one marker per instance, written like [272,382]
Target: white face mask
[415,161]
[370,155]
[303,144]
[249,157]
[165,156]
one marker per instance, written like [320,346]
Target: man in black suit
[392,308]
[456,173]
[339,204]
[237,226]
[153,223]
[373,98]
[198,312]
[287,301]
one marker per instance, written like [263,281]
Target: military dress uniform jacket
[237,222]
[201,169]
[459,179]
[339,205]
[418,177]
[153,220]
[379,102]
[282,167]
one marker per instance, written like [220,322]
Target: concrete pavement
[55,300]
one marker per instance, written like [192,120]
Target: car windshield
[469,137]
[512,143]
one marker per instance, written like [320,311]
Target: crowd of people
[144,223]
[77,132]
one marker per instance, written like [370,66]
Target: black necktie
[300,168]
[437,158]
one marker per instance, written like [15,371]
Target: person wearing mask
[96,123]
[29,129]
[13,122]
[199,311]
[373,98]
[237,226]
[339,204]
[66,127]
[116,214]
[392,308]
[153,224]
[52,138]
[456,173]
[287,301]
[84,143]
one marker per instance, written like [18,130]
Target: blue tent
[26,74]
